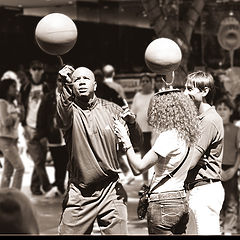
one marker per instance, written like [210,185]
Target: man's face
[36,73]
[84,83]
[194,93]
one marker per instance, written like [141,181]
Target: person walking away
[109,74]
[230,165]
[94,191]
[105,91]
[206,193]
[10,115]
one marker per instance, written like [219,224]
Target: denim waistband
[167,195]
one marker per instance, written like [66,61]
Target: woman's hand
[127,115]
[122,134]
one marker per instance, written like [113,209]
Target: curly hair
[174,110]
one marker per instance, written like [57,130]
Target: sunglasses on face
[37,68]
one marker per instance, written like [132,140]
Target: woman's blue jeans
[168,216]
[13,168]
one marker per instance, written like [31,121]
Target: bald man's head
[84,84]
[108,71]
[83,71]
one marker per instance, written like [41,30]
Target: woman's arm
[6,119]
[136,135]
[137,166]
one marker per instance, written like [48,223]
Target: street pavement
[48,211]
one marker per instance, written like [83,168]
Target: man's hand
[66,73]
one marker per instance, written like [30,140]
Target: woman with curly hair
[173,116]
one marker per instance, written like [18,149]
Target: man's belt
[97,185]
[200,182]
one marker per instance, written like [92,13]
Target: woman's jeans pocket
[167,217]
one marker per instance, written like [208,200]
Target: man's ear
[205,91]
[95,86]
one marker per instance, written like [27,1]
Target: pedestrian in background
[48,129]
[109,74]
[10,116]
[139,107]
[31,95]
[22,145]
[230,165]
[105,91]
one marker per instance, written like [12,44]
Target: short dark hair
[36,63]
[146,75]
[226,100]
[201,80]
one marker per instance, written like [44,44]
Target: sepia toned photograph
[120,118]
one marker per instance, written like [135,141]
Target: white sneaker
[53,193]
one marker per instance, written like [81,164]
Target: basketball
[163,55]
[56,34]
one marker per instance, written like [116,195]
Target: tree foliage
[164,18]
